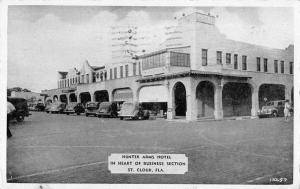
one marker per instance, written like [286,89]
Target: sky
[45,39]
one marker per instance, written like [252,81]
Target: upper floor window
[228,58]
[126,70]
[105,75]
[265,65]
[154,61]
[134,69]
[219,57]
[258,64]
[87,78]
[110,74]
[275,66]
[204,57]
[140,68]
[291,67]
[179,59]
[115,73]
[244,62]
[82,79]
[235,59]
[121,71]
[282,66]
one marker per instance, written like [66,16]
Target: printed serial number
[282,179]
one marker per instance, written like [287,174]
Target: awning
[153,94]
[123,95]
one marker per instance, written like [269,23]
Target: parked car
[133,110]
[40,106]
[108,109]
[91,108]
[57,107]
[21,108]
[272,108]
[74,108]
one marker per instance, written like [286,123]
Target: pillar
[288,93]
[78,97]
[218,113]
[191,106]
[93,97]
[254,99]
[171,102]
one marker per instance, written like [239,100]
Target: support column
[171,108]
[218,102]
[254,99]
[78,98]
[288,93]
[93,97]
[191,106]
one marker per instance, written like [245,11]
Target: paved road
[53,148]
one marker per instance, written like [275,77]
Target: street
[56,148]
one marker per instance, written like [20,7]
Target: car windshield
[105,105]
[91,105]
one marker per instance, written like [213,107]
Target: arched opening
[270,92]
[55,98]
[73,97]
[101,96]
[63,98]
[179,99]
[48,101]
[205,99]
[85,97]
[236,99]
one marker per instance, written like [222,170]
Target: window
[204,57]
[87,78]
[110,74]
[258,64]
[126,70]
[244,62]
[115,73]
[179,59]
[82,79]
[291,67]
[134,69]
[235,61]
[265,65]
[275,66]
[153,61]
[121,71]
[105,75]
[228,58]
[219,57]
[282,66]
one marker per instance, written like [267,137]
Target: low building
[199,75]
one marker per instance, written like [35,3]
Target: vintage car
[272,109]
[47,107]
[40,106]
[21,108]
[133,110]
[57,107]
[91,108]
[74,108]
[108,109]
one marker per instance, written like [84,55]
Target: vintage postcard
[143,93]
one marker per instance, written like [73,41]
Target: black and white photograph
[145,94]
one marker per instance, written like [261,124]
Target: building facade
[199,75]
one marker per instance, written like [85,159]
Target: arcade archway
[179,99]
[270,92]
[236,99]
[205,99]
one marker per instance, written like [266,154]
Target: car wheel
[67,113]
[78,113]
[20,118]
[274,114]
[86,115]
[121,118]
